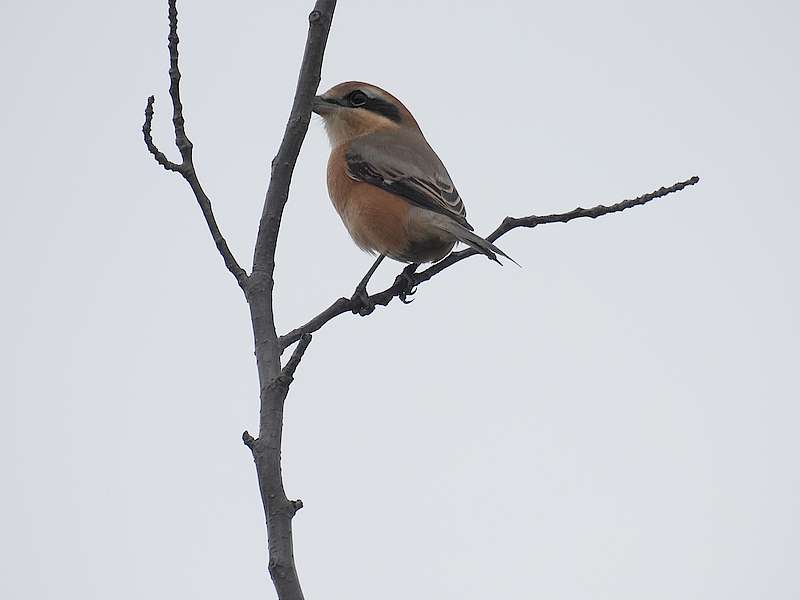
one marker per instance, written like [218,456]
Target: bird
[390,189]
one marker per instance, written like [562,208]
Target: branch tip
[248,440]
[147,131]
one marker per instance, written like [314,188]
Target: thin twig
[291,365]
[401,285]
[148,139]
[186,168]
[181,139]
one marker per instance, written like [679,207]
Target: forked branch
[186,167]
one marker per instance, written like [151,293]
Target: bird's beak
[322,106]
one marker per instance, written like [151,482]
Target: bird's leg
[406,279]
[367,305]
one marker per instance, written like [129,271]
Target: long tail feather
[476,242]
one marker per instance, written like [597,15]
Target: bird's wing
[403,164]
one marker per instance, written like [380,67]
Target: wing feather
[403,164]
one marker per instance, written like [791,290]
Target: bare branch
[248,440]
[273,379]
[181,140]
[222,246]
[339,307]
[401,284]
[283,164]
[186,168]
[297,356]
[148,139]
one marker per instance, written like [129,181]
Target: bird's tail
[464,235]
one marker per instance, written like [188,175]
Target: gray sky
[616,420]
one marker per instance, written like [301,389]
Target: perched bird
[389,187]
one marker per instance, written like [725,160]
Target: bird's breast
[381,222]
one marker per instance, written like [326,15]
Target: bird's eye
[357,98]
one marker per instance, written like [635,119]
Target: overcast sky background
[616,420]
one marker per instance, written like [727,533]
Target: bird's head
[353,109]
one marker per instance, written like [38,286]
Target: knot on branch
[294,122]
[184,145]
[295,505]
[281,382]
[249,441]
[259,284]
[508,223]
[314,16]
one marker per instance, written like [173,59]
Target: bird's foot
[362,304]
[408,282]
